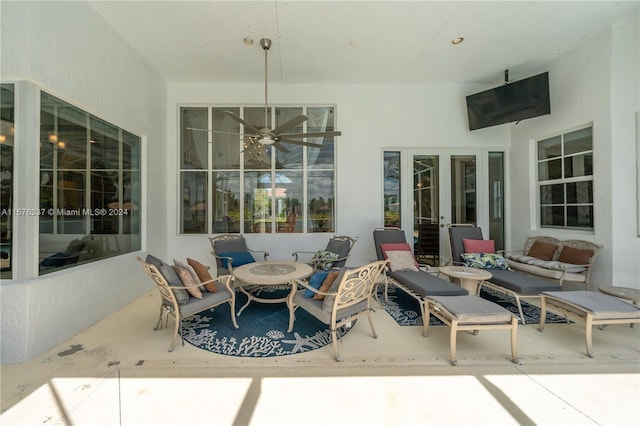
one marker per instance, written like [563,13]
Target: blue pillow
[316,281]
[237,259]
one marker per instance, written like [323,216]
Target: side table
[465,277]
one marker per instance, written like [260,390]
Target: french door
[427,190]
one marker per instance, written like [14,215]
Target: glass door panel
[445,191]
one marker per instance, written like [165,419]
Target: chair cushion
[424,283]
[384,236]
[520,283]
[472,309]
[316,281]
[457,234]
[315,308]
[478,246]
[341,248]
[234,245]
[170,277]
[600,305]
[237,258]
[203,275]
[208,300]
[542,250]
[485,261]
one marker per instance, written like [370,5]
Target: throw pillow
[385,247]
[326,284]
[237,259]
[170,277]
[203,275]
[575,256]
[188,268]
[316,281]
[401,261]
[542,251]
[327,302]
[485,261]
[478,246]
[324,259]
[188,281]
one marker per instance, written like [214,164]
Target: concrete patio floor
[119,372]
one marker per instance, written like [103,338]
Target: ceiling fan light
[266,141]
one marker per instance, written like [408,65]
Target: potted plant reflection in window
[320,211]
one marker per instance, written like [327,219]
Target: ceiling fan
[276,136]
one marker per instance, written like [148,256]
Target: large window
[89,187]
[7,126]
[230,183]
[565,180]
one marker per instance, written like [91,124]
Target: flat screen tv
[512,102]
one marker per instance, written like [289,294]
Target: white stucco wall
[370,117]
[67,49]
[597,82]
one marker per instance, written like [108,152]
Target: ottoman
[592,307]
[471,313]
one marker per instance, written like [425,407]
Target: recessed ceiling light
[248,41]
[354,41]
[457,40]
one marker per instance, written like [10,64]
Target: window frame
[283,215]
[108,220]
[548,181]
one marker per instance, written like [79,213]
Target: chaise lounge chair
[417,283]
[509,282]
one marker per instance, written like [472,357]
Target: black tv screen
[512,102]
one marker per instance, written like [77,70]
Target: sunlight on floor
[401,400]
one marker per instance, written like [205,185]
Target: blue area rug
[262,332]
[405,310]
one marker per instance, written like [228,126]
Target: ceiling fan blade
[281,147]
[314,145]
[289,124]
[247,126]
[310,135]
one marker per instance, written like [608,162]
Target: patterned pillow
[324,259]
[188,281]
[485,261]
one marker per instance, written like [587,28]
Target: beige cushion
[188,281]
[471,309]
[401,261]
[601,306]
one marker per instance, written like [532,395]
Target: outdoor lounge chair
[417,283]
[508,282]
[348,298]
[339,246]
